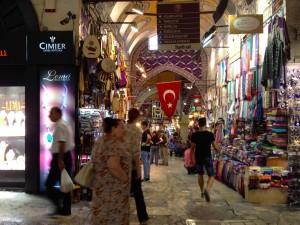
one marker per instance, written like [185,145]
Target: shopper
[189,163]
[62,144]
[154,149]
[133,140]
[201,149]
[111,186]
[163,148]
[145,150]
[173,146]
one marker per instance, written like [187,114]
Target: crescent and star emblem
[169,92]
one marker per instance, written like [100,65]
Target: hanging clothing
[273,63]
[277,27]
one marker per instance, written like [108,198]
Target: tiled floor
[172,198]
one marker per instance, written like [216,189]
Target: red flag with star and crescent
[168,93]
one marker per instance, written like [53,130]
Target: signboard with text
[276,5]
[12,48]
[178,25]
[245,24]
[51,47]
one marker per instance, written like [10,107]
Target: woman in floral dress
[112,165]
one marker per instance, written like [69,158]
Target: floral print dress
[110,202]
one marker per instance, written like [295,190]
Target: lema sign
[12,48]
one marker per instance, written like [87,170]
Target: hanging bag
[85,176]
[66,183]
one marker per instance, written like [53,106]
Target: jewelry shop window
[12,128]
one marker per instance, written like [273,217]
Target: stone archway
[171,67]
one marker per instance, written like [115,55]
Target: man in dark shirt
[145,150]
[201,142]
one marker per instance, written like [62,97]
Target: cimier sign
[53,47]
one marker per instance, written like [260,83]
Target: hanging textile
[277,27]
[273,63]
[259,111]
[248,86]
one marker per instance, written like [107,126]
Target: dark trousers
[136,188]
[62,201]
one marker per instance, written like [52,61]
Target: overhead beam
[155,14]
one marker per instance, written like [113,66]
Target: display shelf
[274,195]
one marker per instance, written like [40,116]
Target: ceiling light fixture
[144,75]
[138,8]
[134,27]
[208,36]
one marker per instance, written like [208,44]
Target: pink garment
[187,159]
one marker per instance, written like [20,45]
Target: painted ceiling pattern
[183,59]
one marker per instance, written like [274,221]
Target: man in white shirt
[62,144]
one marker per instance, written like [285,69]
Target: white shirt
[62,132]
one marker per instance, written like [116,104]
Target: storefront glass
[12,128]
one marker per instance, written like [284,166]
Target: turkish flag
[168,93]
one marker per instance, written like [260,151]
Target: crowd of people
[117,158]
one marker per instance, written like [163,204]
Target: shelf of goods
[256,170]
[266,184]
[90,121]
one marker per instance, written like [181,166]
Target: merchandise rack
[293,147]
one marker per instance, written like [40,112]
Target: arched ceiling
[134,44]
[120,11]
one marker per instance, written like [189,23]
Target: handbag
[66,183]
[85,176]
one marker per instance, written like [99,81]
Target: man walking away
[201,150]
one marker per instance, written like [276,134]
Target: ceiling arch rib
[145,34]
[118,9]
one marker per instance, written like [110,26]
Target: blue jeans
[145,157]
[154,150]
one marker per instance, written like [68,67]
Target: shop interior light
[138,8]
[144,75]
[188,86]
[208,36]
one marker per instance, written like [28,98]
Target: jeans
[145,157]
[154,152]
[62,201]
[140,205]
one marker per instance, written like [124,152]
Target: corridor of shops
[172,198]
[172,63]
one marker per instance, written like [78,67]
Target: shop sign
[54,47]
[178,25]
[245,24]
[57,88]
[12,48]
[157,112]
[277,4]
[197,100]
